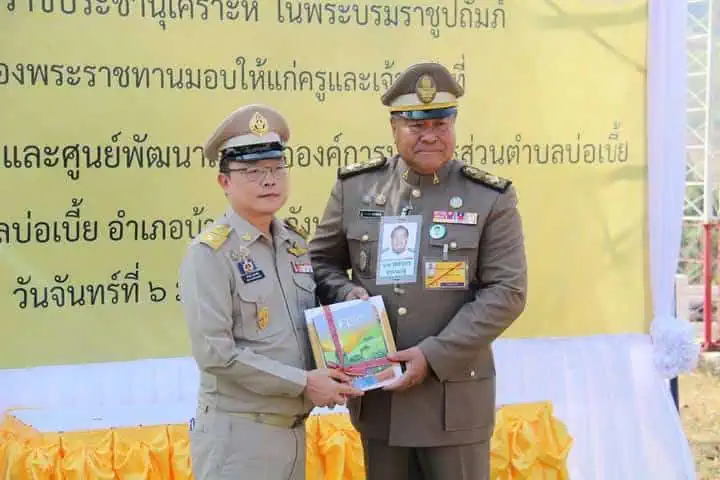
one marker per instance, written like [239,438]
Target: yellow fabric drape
[528,444]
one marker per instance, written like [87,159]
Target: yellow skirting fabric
[528,444]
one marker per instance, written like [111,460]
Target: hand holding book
[416,368]
[328,387]
[354,337]
[357,293]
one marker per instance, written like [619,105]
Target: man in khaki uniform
[437,421]
[245,283]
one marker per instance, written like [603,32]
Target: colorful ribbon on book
[359,368]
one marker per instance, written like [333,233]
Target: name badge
[249,271]
[445,274]
[371,214]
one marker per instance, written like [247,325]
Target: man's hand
[357,293]
[329,387]
[416,368]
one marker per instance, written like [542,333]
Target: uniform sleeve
[206,296]
[500,300]
[329,251]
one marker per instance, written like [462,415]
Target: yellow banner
[104,105]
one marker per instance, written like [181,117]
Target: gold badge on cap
[425,88]
[258,124]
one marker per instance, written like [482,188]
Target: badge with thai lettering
[445,274]
[297,250]
[462,218]
[263,317]
[302,267]
[370,214]
[249,271]
[398,258]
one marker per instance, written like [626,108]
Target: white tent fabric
[604,388]
[608,389]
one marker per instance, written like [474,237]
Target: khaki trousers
[461,462]
[224,446]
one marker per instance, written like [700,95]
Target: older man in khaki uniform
[437,421]
[245,283]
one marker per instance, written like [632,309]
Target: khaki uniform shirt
[247,329]
[453,328]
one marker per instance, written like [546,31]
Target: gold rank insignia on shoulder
[294,227]
[216,236]
[356,168]
[498,184]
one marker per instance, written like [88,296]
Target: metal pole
[708,184]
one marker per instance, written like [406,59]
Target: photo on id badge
[397,260]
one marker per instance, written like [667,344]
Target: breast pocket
[305,290]
[463,243]
[255,316]
[363,248]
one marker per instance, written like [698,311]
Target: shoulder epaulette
[294,227]
[216,236]
[498,184]
[356,168]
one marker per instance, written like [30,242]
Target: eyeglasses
[255,174]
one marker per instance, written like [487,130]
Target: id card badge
[443,274]
[398,259]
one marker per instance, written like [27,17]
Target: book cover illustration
[355,336]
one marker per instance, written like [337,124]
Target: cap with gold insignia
[252,132]
[424,90]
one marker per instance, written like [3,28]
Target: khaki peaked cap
[423,90]
[252,132]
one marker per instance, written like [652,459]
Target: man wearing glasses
[245,283]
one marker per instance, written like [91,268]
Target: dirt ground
[700,413]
